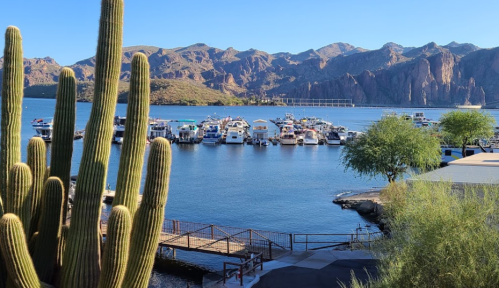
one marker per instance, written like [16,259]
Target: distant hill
[430,75]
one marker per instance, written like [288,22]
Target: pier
[315,102]
[221,240]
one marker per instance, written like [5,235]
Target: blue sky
[67,29]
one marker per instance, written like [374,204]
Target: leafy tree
[390,147]
[464,127]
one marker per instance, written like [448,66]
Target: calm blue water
[279,188]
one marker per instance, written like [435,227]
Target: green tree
[464,127]
[389,148]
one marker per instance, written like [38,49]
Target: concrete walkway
[310,269]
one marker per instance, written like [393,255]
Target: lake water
[278,188]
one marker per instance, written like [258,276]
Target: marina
[286,188]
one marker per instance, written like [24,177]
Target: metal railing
[224,239]
[333,240]
[245,267]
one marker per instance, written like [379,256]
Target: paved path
[310,269]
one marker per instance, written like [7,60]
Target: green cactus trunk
[82,256]
[12,98]
[15,251]
[148,221]
[134,143]
[116,249]
[18,194]
[37,162]
[63,133]
[61,247]
[49,229]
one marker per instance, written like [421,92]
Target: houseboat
[119,129]
[260,132]
[43,128]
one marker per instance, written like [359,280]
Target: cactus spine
[18,193]
[12,97]
[49,229]
[14,248]
[63,133]
[149,218]
[134,144]
[82,256]
[115,256]
[37,162]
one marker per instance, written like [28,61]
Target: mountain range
[427,76]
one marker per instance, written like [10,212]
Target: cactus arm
[82,256]
[115,256]
[63,133]
[37,162]
[12,97]
[13,245]
[49,229]
[148,220]
[18,193]
[134,143]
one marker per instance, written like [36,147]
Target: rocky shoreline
[367,204]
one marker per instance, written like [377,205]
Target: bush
[440,237]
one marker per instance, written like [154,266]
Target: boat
[119,129]
[420,120]
[469,106]
[160,128]
[388,113]
[333,138]
[43,128]
[289,118]
[187,131]
[310,137]
[236,131]
[260,133]
[287,136]
[212,131]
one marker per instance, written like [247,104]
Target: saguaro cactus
[144,241]
[12,98]
[18,193]
[63,134]
[15,251]
[81,266]
[49,229]
[115,256]
[37,162]
[134,144]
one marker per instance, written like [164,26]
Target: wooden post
[270,250]
[225,271]
[212,232]
[228,246]
[251,235]
[174,227]
[188,240]
[291,241]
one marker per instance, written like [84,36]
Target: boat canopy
[186,120]
[260,121]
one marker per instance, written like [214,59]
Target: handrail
[353,238]
[254,264]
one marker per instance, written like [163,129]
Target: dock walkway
[221,240]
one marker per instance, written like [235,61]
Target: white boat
[333,138]
[289,118]
[260,132]
[212,132]
[43,128]
[310,137]
[420,120]
[160,128]
[469,106]
[119,129]
[287,136]
[187,131]
[235,132]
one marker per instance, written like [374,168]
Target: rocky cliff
[431,75]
